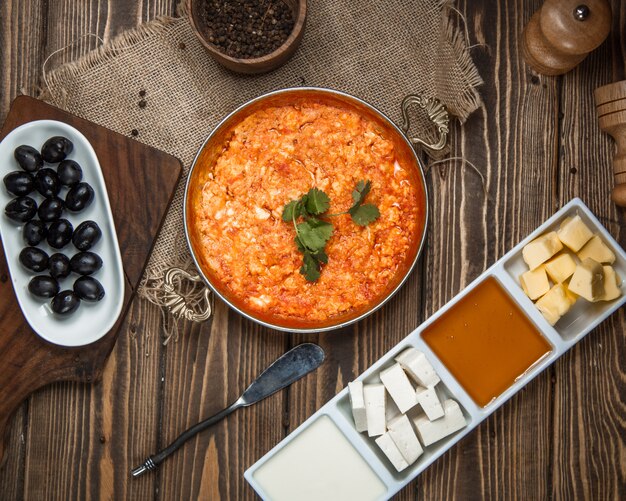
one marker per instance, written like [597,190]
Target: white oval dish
[92,320]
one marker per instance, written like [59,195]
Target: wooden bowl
[262,64]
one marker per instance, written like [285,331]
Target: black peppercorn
[247,28]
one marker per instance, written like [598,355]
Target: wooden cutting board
[140,181]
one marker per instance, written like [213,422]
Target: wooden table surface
[537,142]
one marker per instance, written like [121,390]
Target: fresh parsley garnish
[317,202]
[363,214]
[313,233]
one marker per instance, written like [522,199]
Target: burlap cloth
[157,83]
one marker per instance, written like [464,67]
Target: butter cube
[597,250]
[570,295]
[588,280]
[611,284]
[535,282]
[432,431]
[399,387]
[574,233]
[541,249]
[554,304]
[428,399]
[355,390]
[561,267]
[374,397]
[405,439]
[415,363]
[389,447]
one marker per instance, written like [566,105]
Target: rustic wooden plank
[590,386]
[508,457]
[78,26]
[22,28]
[127,409]
[21,55]
[206,369]
[12,469]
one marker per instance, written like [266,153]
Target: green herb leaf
[364,214]
[304,200]
[310,268]
[299,244]
[317,201]
[314,233]
[321,257]
[360,192]
[291,211]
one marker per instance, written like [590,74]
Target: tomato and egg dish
[274,155]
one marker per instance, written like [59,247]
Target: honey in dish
[486,341]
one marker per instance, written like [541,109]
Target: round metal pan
[213,146]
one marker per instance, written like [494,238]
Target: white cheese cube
[391,411]
[561,267]
[432,431]
[399,387]
[574,233]
[415,363]
[374,396]
[405,439]
[597,250]
[541,249]
[554,304]
[427,398]
[588,280]
[611,284]
[355,390]
[389,447]
[535,282]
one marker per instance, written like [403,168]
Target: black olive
[59,265]
[79,197]
[34,232]
[56,149]
[43,286]
[89,289]
[19,183]
[59,233]
[69,172]
[65,302]
[51,209]
[86,235]
[34,259]
[28,157]
[47,182]
[21,209]
[85,263]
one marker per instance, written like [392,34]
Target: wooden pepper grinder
[611,108]
[562,32]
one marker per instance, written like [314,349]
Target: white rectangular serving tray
[571,328]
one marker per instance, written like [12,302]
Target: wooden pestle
[562,32]
[611,108]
